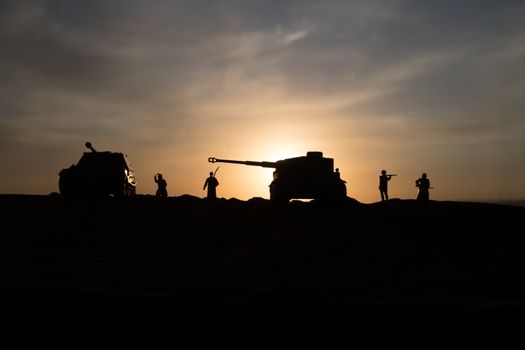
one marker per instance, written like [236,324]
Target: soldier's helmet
[424,175]
[383,172]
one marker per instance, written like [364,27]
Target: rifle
[430,188]
[215,172]
[391,174]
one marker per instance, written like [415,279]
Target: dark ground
[147,271]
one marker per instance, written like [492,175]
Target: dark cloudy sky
[407,86]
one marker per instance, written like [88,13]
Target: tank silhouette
[98,174]
[307,177]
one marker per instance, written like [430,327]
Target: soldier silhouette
[338,175]
[162,184]
[424,184]
[383,185]
[212,183]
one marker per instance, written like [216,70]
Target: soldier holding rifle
[383,184]
[424,185]
[212,183]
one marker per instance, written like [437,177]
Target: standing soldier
[383,185]
[211,182]
[162,184]
[424,184]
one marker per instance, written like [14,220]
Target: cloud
[177,76]
[294,36]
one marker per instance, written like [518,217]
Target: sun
[284,151]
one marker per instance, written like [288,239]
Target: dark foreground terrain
[186,270]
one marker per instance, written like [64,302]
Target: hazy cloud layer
[188,76]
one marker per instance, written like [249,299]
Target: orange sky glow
[396,85]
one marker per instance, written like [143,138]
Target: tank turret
[98,174]
[307,177]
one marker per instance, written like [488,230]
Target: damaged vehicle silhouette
[98,174]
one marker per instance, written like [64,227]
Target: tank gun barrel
[245,162]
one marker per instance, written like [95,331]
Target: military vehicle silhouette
[98,174]
[307,177]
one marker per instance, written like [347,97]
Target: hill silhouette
[146,269]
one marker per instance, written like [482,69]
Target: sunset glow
[407,86]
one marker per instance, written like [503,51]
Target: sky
[408,86]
